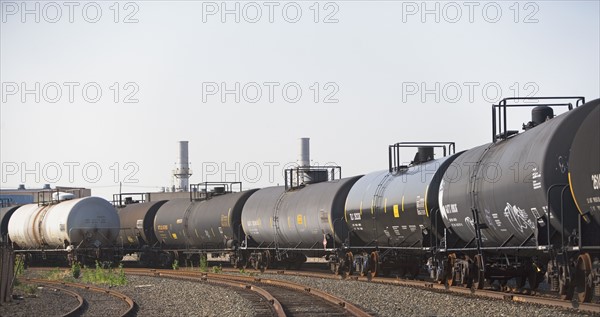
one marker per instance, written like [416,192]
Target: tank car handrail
[503,105]
[394,151]
[118,198]
[227,187]
[300,170]
[578,98]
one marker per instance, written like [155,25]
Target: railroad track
[93,301]
[76,311]
[522,298]
[285,298]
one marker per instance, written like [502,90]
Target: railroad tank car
[83,222]
[211,224]
[580,275]
[584,165]
[297,219]
[509,203]
[394,208]
[137,224]
[5,214]
[295,222]
[506,188]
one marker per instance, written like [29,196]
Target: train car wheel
[449,268]
[374,263]
[565,286]
[266,261]
[581,283]
[350,263]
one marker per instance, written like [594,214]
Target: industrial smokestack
[302,177]
[182,172]
[304,158]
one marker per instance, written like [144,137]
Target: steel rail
[276,305]
[75,311]
[532,299]
[121,296]
[347,306]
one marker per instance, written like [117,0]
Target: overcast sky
[117,85]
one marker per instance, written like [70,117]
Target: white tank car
[83,222]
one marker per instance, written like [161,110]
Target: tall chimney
[182,172]
[304,158]
[302,176]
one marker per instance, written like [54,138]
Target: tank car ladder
[276,224]
[473,191]
[377,200]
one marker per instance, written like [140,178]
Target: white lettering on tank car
[451,208]
[420,206]
[535,213]
[596,181]
[518,218]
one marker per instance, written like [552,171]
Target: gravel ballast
[393,300]
[168,297]
[156,296]
[153,296]
[45,302]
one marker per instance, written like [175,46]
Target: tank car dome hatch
[83,222]
[424,154]
[541,114]
[60,196]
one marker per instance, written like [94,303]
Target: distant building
[22,195]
